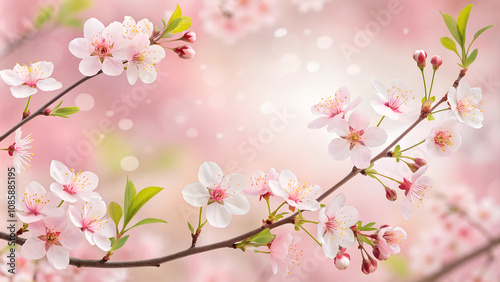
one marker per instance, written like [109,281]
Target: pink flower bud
[390,194]
[189,36]
[184,52]
[47,112]
[419,56]
[417,165]
[342,261]
[369,266]
[420,162]
[12,149]
[436,62]
[377,254]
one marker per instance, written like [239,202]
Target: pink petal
[359,120]
[11,78]
[218,215]
[22,91]
[80,48]
[375,136]
[361,156]
[71,237]
[339,126]
[210,174]
[112,66]
[48,84]
[335,205]
[406,208]
[319,123]
[46,69]
[353,104]
[58,257]
[237,204]
[132,73]
[28,217]
[196,194]
[33,248]
[339,149]
[75,216]
[58,189]
[92,27]
[90,65]
[36,229]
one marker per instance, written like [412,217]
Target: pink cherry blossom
[388,239]
[396,102]
[51,236]
[184,52]
[101,48]
[26,79]
[445,138]
[260,183]
[415,190]
[20,151]
[420,56]
[221,193]
[463,101]
[36,203]
[355,138]
[142,58]
[132,29]
[332,110]
[285,255]
[296,193]
[92,221]
[334,225]
[71,186]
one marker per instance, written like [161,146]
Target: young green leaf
[147,221]
[139,200]
[121,242]
[365,239]
[175,15]
[183,25]
[58,115]
[171,26]
[115,212]
[66,111]
[163,23]
[191,228]
[129,196]
[77,6]
[263,237]
[476,35]
[471,58]
[370,224]
[449,44]
[452,27]
[430,117]
[462,20]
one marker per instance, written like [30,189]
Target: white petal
[210,174]
[277,189]
[102,241]
[60,172]
[132,73]
[375,136]
[71,237]
[48,84]
[335,205]
[95,208]
[75,216]
[196,194]
[218,215]
[339,149]
[330,246]
[80,48]
[90,65]
[235,182]
[353,104]
[237,204]
[46,69]
[310,205]
[89,236]
[22,91]
[33,248]
[348,239]
[348,215]
[112,66]
[339,126]
[145,26]
[11,78]
[379,87]
[287,179]
[58,189]
[92,27]
[361,156]
[58,257]
[148,74]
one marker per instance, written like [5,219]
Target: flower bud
[184,52]
[369,265]
[12,149]
[47,112]
[342,261]
[420,56]
[420,162]
[390,194]
[377,254]
[189,36]
[436,62]
[26,114]
[417,165]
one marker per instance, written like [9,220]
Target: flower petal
[102,241]
[80,48]
[210,174]
[90,65]
[374,136]
[319,123]
[33,248]
[112,66]
[237,204]
[335,205]
[359,120]
[196,194]
[92,27]
[11,78]
[235,182]
[218,215]
[339,149]
[132,73]
[58,256]
[22,91]
[361,156]
[48,84]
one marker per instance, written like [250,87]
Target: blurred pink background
[244,102]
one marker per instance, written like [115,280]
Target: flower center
[34,203]
[392,238]
[218,194]
[51,237]
[394,103]
[332,225]
[355,137]
[331,106]
[299,192]
[443,139]
[70,188]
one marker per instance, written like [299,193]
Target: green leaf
[163,23]
[263,237]
[43,16]
[171,26]
[397,149]
[191,228]
[452,27]
[58,115]
[115,212]
[121,242]
[183,25]
[58,105]
[462,20]
[471,58]
[370,224]
[322,205]
[147,221]
[139,200]
[430,117]
[175,15]
[129,196]
[112,240]
[77,6]
[476,35]
[66,111]
[365,239]
[449,44]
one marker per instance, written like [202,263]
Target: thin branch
[230,243]
[41,110]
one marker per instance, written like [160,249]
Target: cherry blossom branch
[468,257]
[41,110]
[230,243]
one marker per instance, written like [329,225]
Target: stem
[60,204]
[442,110]
[27,104]
[432,82]
[41,110]
[379,181]
[230,243]
[425,86]
[412,146]
[388,178]
[301,227]
[199,218]
[279,207]
[268,207]
[380,121]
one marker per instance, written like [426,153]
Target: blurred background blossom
[244,102]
